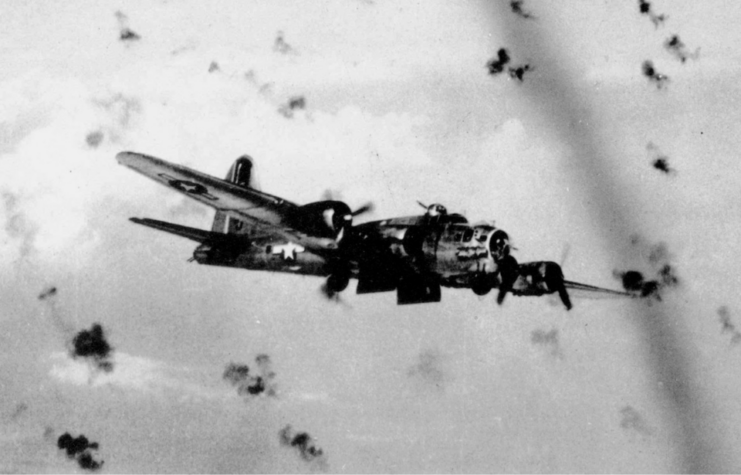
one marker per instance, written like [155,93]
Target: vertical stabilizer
[240,173]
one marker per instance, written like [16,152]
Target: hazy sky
[399,107]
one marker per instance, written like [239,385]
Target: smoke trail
[565,110]
[49,297]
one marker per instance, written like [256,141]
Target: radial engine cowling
[496,241]
[326,219]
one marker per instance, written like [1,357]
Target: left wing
[590,291]
[266,213]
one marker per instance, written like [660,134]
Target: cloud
[93,139]
[547,339]
[18,228]
[18,411]
[281,46]
[728,326]
[133,373]
[632,420]
[60,171]
[429,368]
[80,448]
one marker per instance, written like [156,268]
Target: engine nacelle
[538,278]
[325,219]
[495,240]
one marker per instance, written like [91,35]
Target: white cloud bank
[133,373]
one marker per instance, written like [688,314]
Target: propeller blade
[363,209]
[565,253]
[564,294]
[328,195]
[329,293]
[508,270]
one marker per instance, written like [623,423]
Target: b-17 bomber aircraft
[414,256]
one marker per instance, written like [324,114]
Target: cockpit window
[461,233]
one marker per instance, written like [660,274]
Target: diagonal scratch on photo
[364,236]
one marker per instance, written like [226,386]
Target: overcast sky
[398,107]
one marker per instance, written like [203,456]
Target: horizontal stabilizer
[198,235]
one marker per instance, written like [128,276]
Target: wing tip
[124,157]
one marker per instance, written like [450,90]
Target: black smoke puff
[128,34]
[632,281]
[654,76]
[662,165]
[92,344]
[518,72]
[302,441]
[676,47]
[496,65]
[93,139]
[47,293]
[294,103]
[645,8]
[239,376]
[79,448]
[516,6]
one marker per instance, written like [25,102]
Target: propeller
[508,271]
[366,208]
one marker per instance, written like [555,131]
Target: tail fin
[240,173]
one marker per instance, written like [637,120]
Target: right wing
[266,213]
